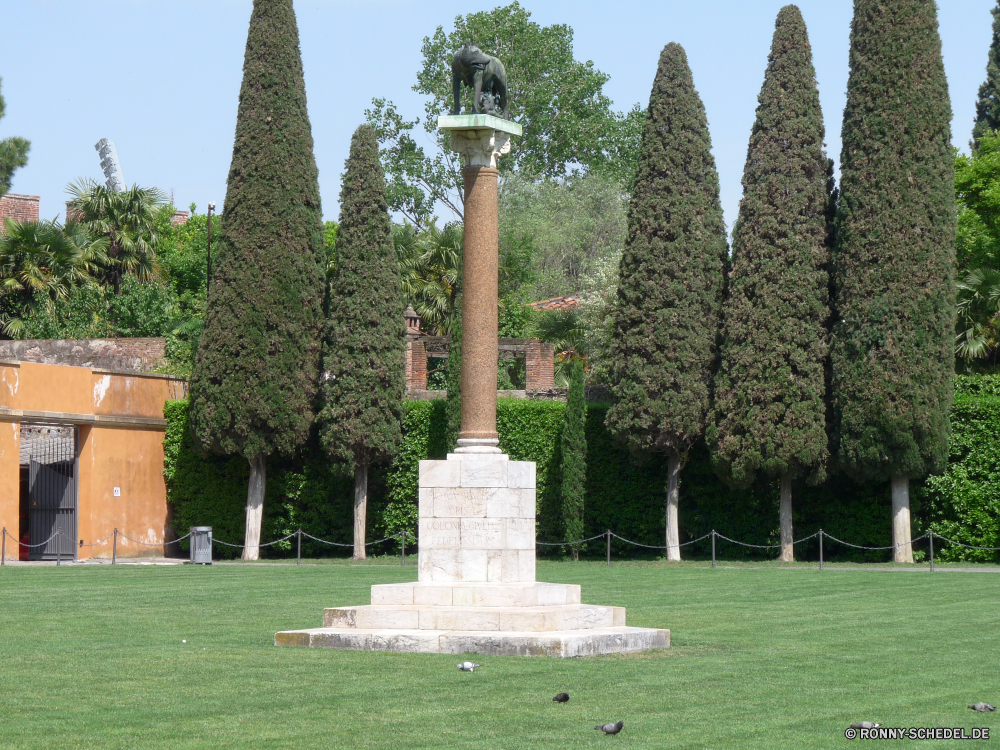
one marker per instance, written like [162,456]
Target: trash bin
[201,545]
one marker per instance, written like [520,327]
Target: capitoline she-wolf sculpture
[485,75]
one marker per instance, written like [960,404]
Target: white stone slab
[468,502]
[521,474]
[425,502]
[440,533]
[483,472]
[560,644]
[439,474]
[520,533]
[484,533]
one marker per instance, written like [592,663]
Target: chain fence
[403,536]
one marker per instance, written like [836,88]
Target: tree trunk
[360,508]
[255,507]
[576,553]
[903,550]
[785,519]
[673,495]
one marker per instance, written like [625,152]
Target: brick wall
[539,366]
[122,355]
[18,207]
[180,217]
[416,365]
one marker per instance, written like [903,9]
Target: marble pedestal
[476,590]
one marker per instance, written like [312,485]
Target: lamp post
[208,278]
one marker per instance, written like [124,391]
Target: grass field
[762,657]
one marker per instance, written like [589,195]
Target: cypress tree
[256,372]
[574,457]
[892,351]
[770,405]
[365,335]
[671,284]
[988,102]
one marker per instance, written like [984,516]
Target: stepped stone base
[520,619]
[476,590]
[592,642]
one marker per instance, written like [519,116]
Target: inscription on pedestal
[477,520]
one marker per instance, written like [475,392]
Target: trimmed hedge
[625,496]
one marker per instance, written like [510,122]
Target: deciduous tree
[13,154]
[558,99]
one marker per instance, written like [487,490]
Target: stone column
[479,312]
[480,139]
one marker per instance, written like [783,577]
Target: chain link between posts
[404,536]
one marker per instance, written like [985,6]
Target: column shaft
[479,306]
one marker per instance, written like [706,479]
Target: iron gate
[52,493]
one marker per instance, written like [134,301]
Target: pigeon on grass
[611,728]
[468,666]
[983,707]
[562,698]
[865,725]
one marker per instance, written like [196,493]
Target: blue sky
[162,80]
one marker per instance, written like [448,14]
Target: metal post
[402,548]
[932,550]
[3,554]
[298,559]
[58,549]
[821,549]
[114,548]
[713,548]
[608,535]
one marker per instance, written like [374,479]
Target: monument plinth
[476,590]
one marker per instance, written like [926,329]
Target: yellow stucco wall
[110,455]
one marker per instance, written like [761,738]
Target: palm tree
[565,330]
[41,259]
[128,220]
[978,303]
[430,264]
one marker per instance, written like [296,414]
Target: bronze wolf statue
[487,77]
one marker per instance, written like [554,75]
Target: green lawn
[92,657]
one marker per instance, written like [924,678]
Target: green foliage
[964,503]
[453,376]
[574,456]
[672,274]
[131,220]
[13,154]
[92,312]
[988,102]
[330,247]
[621,494]
[41,264]
[257,367]
[555,232]
[892,349]
[424,430]
[567,119]
[430,263]
[770,405]
[364,337]
[206,490]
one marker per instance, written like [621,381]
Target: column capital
[480,139]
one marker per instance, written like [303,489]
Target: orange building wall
[131,460]
[128,457]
